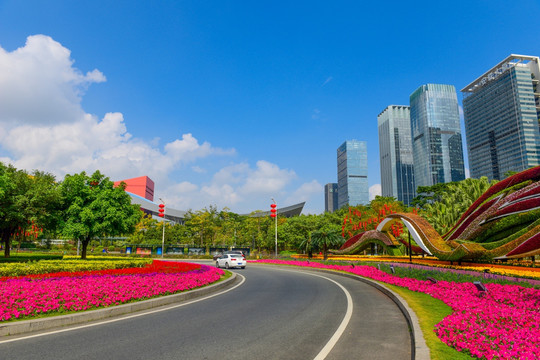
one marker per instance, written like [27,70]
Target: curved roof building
[141,190]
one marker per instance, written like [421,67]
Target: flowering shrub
[502,324]
[50,266]
[148,268]
[30,296]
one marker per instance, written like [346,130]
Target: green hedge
[30,257]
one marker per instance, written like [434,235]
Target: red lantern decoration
[273,210]
[161,210]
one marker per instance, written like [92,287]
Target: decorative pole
[274,215]
[410,251]
[162,215]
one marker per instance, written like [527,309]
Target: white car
[231,260]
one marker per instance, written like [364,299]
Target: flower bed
[514,271]
[503,324]
[51,266]
[148,268]
[31,296]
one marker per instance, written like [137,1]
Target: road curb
[29,326]
[419,349]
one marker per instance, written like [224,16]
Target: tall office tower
[352,173]
[502,113]
[395,151]
[330,197]
[436,135]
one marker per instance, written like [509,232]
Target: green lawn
[430,311]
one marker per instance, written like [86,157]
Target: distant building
[142,186]
[141,190]
[502,113]
[395,152]
[286,211]
[331,197]
[352,173]
[436,135]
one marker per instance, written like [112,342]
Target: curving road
[274,313]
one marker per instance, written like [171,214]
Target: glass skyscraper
[352,169]
[502,113]
[395,151]
[436,135]
[330,197]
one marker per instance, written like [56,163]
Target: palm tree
[307,245]
[327,236]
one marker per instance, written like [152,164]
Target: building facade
[502,113]
[331,197]
[436,135]
[395,152]
[352,173]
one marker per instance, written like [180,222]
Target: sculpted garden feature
[503,223]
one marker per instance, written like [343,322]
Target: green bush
[26,257]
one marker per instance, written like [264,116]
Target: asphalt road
[276,313]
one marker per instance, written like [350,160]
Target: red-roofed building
[142,186]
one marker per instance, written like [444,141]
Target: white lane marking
[341,328]
[127,317]
[348,315]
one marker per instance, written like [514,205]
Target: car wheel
[226,265]
[242,267]
[217,264]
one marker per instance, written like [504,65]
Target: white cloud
[43,126]
[267,178]
[39,85]
[243,188]
[374,190]
[199,170]
[305,192]
[188,149]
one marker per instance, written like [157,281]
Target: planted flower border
[502,324]
[8,270]
[30,296]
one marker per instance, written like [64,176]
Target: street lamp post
[162,215]
[274,215]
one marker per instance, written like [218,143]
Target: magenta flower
[27,297]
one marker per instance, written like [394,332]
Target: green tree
[429,194]
[24,200]
[444,212]
[297,229]
[95,208]
[328,236]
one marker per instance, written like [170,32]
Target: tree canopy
[26,200]
[446,207]
[95,208]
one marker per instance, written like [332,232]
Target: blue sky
[231,103]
